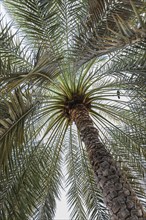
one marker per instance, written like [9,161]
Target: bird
[118,94]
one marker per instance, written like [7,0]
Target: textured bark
[118,195]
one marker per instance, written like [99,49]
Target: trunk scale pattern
[119,197]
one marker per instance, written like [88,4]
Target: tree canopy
[53,54]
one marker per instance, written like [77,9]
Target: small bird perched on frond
[118,94]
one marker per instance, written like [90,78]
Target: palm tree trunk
[118,194]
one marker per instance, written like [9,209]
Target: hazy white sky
[62,213]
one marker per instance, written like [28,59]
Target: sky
[61,211]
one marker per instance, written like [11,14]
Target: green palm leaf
[109,27]
[12,122]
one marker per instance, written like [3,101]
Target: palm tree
[70,93]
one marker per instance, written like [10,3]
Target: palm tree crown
[69,69]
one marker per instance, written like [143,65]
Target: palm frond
[18,106]
[109,27]
[49,24]
[14,53]
[34,186]
[40,158]
[37,18]
[75,197]
[21,61]
[69,14]
[135,167]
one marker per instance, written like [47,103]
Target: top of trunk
[73,102]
